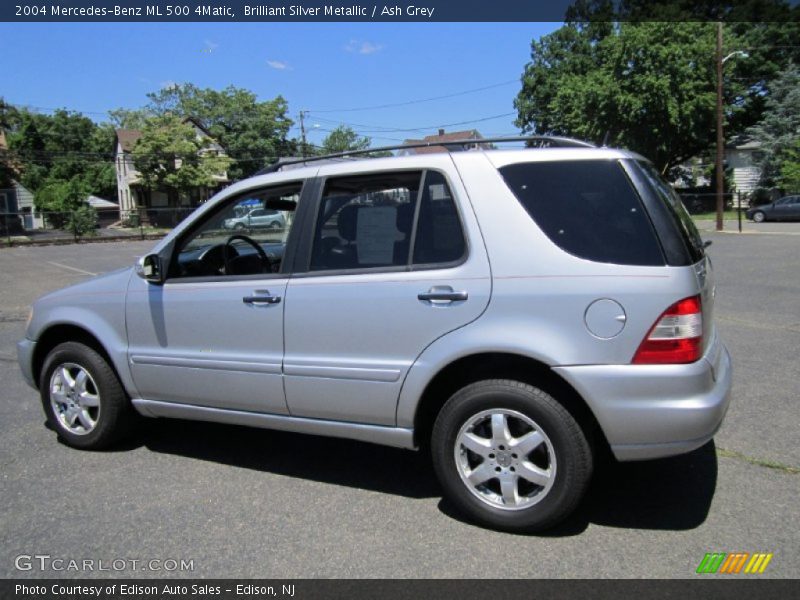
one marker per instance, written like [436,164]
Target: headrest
[347,222]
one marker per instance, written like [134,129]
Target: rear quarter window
[588,208]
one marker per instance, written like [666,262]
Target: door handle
[261,297]
[442,294]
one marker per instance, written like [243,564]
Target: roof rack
[450,146]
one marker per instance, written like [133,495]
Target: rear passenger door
[394,260]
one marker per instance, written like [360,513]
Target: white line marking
[55,264]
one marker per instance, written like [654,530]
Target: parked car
[514,311]
[257,218]
[784,209]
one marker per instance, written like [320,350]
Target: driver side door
[212,334]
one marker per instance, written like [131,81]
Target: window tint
[439,236]
[682,220]
[588,208]
[369,221]
[365,222]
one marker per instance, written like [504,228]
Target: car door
[212,334]
[794,208]
[394,261]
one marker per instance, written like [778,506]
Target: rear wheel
[509,456]
[83,399]
[759,216]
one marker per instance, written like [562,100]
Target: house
[443,138]
[741,159]
[107,211]
[134,198]
[11,198]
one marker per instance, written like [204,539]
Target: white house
[133,198]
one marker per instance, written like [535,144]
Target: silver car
[256,218]
[516,312]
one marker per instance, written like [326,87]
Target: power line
[409,102]
[380,129]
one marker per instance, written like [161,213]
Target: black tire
[239,227]
[113,417]
[565,454]
[759,216]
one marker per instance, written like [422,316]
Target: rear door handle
[442,294]
[261,297]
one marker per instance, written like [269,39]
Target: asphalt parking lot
[255,503]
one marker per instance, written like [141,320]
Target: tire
[239,227]
[275,225]
[83,398]
[525,491]
[759,216]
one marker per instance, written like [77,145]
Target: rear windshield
[670,198]
[588,208]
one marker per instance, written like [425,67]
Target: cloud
[279,65]
[362,47]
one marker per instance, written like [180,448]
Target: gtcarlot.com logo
[734,563]
[46,562]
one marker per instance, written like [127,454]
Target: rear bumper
[652,411]
[25,350]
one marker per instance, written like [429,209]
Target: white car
[257,218]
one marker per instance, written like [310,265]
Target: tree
[171,156]
[57,199]
[790,169]
[82,221]
[253,133]
[343,138]
[59,147]
[779,130]
[650,86]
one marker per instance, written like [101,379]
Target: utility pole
[303,133]
[720,137]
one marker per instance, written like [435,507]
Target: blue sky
[317,67]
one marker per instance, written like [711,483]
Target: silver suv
[515,311]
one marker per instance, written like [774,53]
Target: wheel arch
[502,365]
[66,332]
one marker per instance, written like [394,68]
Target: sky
[327,69]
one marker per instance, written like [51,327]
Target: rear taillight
[676,337]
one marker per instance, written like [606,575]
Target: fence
[30,226]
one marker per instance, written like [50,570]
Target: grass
[728,215]
[769,464]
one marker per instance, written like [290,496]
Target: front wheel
[83,399]
[759,216]
[509,456]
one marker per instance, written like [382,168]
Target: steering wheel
[266,263]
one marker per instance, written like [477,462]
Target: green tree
[171,156]
[790,169]
[651,86]
[81,221]
[779,130]
[59,147]
[57,199]
[252,132]
[343,138]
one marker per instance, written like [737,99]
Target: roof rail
[450,146]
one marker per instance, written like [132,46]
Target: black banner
[405,11]
[304,589]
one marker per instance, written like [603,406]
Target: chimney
[441,132]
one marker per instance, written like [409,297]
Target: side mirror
[150,269]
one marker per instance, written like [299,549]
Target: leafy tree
[82,221]
[252,132]
[343,138]
[779,130]
[650,86]
[790,169]
[57,199]
[59,147]
[171,156]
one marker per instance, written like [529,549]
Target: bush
[82,221]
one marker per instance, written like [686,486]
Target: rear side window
[685,224]
[588,208]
